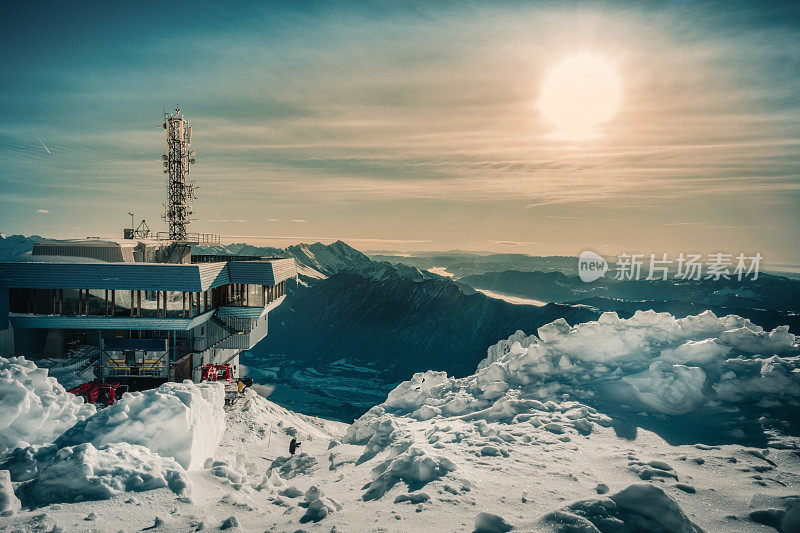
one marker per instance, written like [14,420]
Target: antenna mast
[180,190]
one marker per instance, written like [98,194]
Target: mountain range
[353,325]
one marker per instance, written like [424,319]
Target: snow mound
[26,463]
[639,507]
[184,421]
[34,408]
[661,363]
[671,389]
[784,516]
[9,503]
[296,465]
[317,505]
[491,523]
[84,472]
[413,465]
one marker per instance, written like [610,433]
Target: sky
[408,125]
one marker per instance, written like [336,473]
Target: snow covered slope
[517,445]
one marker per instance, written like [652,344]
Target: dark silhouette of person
[293,446]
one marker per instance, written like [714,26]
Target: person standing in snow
[293,446]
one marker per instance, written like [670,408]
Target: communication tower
[180,190]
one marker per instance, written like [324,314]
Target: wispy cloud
[514,243]
[43,211]
[387,119]
[317,238]
[587,218]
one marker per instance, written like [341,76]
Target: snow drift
[639,507]
[9,503]
[668,365]
[84,472]
[184,421]
[34,408]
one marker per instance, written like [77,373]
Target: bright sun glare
[578,95]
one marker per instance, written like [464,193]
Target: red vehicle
[101,393]
[234,388]
[213,372]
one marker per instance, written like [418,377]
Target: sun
[579,94]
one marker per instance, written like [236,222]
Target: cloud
[588,218]
[43,211]
[299,220]
[316,238]
[273,220]
[707,225]
[514,243]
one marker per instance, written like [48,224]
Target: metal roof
[274,271]
[144,276]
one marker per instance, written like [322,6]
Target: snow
[671,389]
[639,507]
[9,503]
[415,466]
[491,523]
[34,408]
[184,421]
[671,366]
[520,443]
[84,472]
[317,505]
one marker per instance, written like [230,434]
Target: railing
[204,238]
[237,324]
[214,336]
[257,330]
[147,368]
[135,371]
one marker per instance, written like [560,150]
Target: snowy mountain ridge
[315,260]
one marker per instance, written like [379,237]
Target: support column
[100,347]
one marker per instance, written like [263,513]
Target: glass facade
[140,303]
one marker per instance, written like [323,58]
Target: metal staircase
[175,252]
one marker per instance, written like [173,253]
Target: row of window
[140,303]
